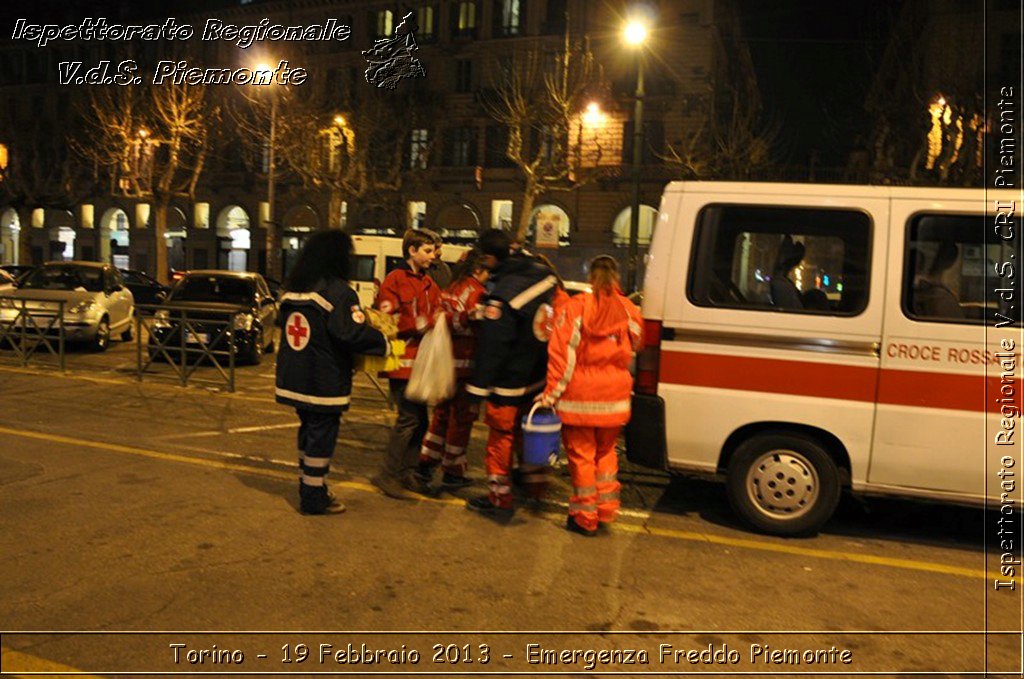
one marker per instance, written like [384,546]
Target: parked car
[17,270]
[97,304]
[145,288]
[208,297]
[7,282]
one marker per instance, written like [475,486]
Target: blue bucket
[541,436]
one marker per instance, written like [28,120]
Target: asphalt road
[145,523]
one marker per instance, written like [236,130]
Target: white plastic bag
[432,378]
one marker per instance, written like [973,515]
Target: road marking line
[354,407]
[14,662]
[233,430]
[691,536]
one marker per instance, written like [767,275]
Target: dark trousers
[318,436]
[403,452]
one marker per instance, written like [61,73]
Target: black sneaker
[424,474]
[483,505]
[573,527]
[315,510]
[452,482]
[414,484]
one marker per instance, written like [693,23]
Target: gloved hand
[546,400]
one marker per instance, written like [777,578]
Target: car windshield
[214,289]
[65,278]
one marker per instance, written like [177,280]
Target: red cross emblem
[297,328]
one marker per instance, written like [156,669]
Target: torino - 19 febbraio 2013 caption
[177,71]
[466,655]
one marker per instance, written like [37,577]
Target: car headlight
[82,307]
[243,322]
[162,319]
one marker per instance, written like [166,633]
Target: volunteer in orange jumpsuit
[588,382]
[446,440]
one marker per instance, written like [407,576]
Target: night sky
[814,63]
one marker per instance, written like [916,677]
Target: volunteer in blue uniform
[322,327]
[511,365]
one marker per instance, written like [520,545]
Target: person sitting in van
[931,297]
[815,299]
[782,290]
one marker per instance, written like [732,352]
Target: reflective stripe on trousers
[593,465]
[450,429]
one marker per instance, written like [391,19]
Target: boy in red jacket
[412,296]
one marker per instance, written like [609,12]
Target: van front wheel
[783,484]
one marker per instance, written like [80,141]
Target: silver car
[97,305]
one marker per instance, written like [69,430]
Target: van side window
[362,268]
[788,259]
[945,265]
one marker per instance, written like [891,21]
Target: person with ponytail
[448,436]
[588,383]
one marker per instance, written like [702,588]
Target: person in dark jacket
[322,326]
[511,364]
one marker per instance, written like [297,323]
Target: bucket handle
[529,417]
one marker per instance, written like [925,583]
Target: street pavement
[149,527]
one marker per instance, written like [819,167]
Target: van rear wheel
[783,484]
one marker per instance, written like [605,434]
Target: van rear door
[942,350]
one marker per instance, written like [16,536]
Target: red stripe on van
[944,390]
[800,378]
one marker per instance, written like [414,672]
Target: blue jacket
[320,331]
[512,349]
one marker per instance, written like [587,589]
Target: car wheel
[783,484]
[126,336]
[102,339]
[255,355]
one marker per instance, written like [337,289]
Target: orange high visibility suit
[446,440]
[594,338]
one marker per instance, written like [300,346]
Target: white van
[801,339]
[376,256]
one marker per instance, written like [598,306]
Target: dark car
[19,271]
[145,289]
[209,299]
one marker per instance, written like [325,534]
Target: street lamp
[635,35]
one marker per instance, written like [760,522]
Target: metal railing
[29,326]
[186,338]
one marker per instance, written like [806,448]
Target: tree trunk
[160,240]
[525,212]
[334,203]
[25,237]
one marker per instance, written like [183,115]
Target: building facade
[466,183]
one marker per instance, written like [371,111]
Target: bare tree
[539,98]
[358,151]
[731,142]
[926,106]
[151,144]
[39,172]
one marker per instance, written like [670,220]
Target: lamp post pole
[638,155]
[272,241]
